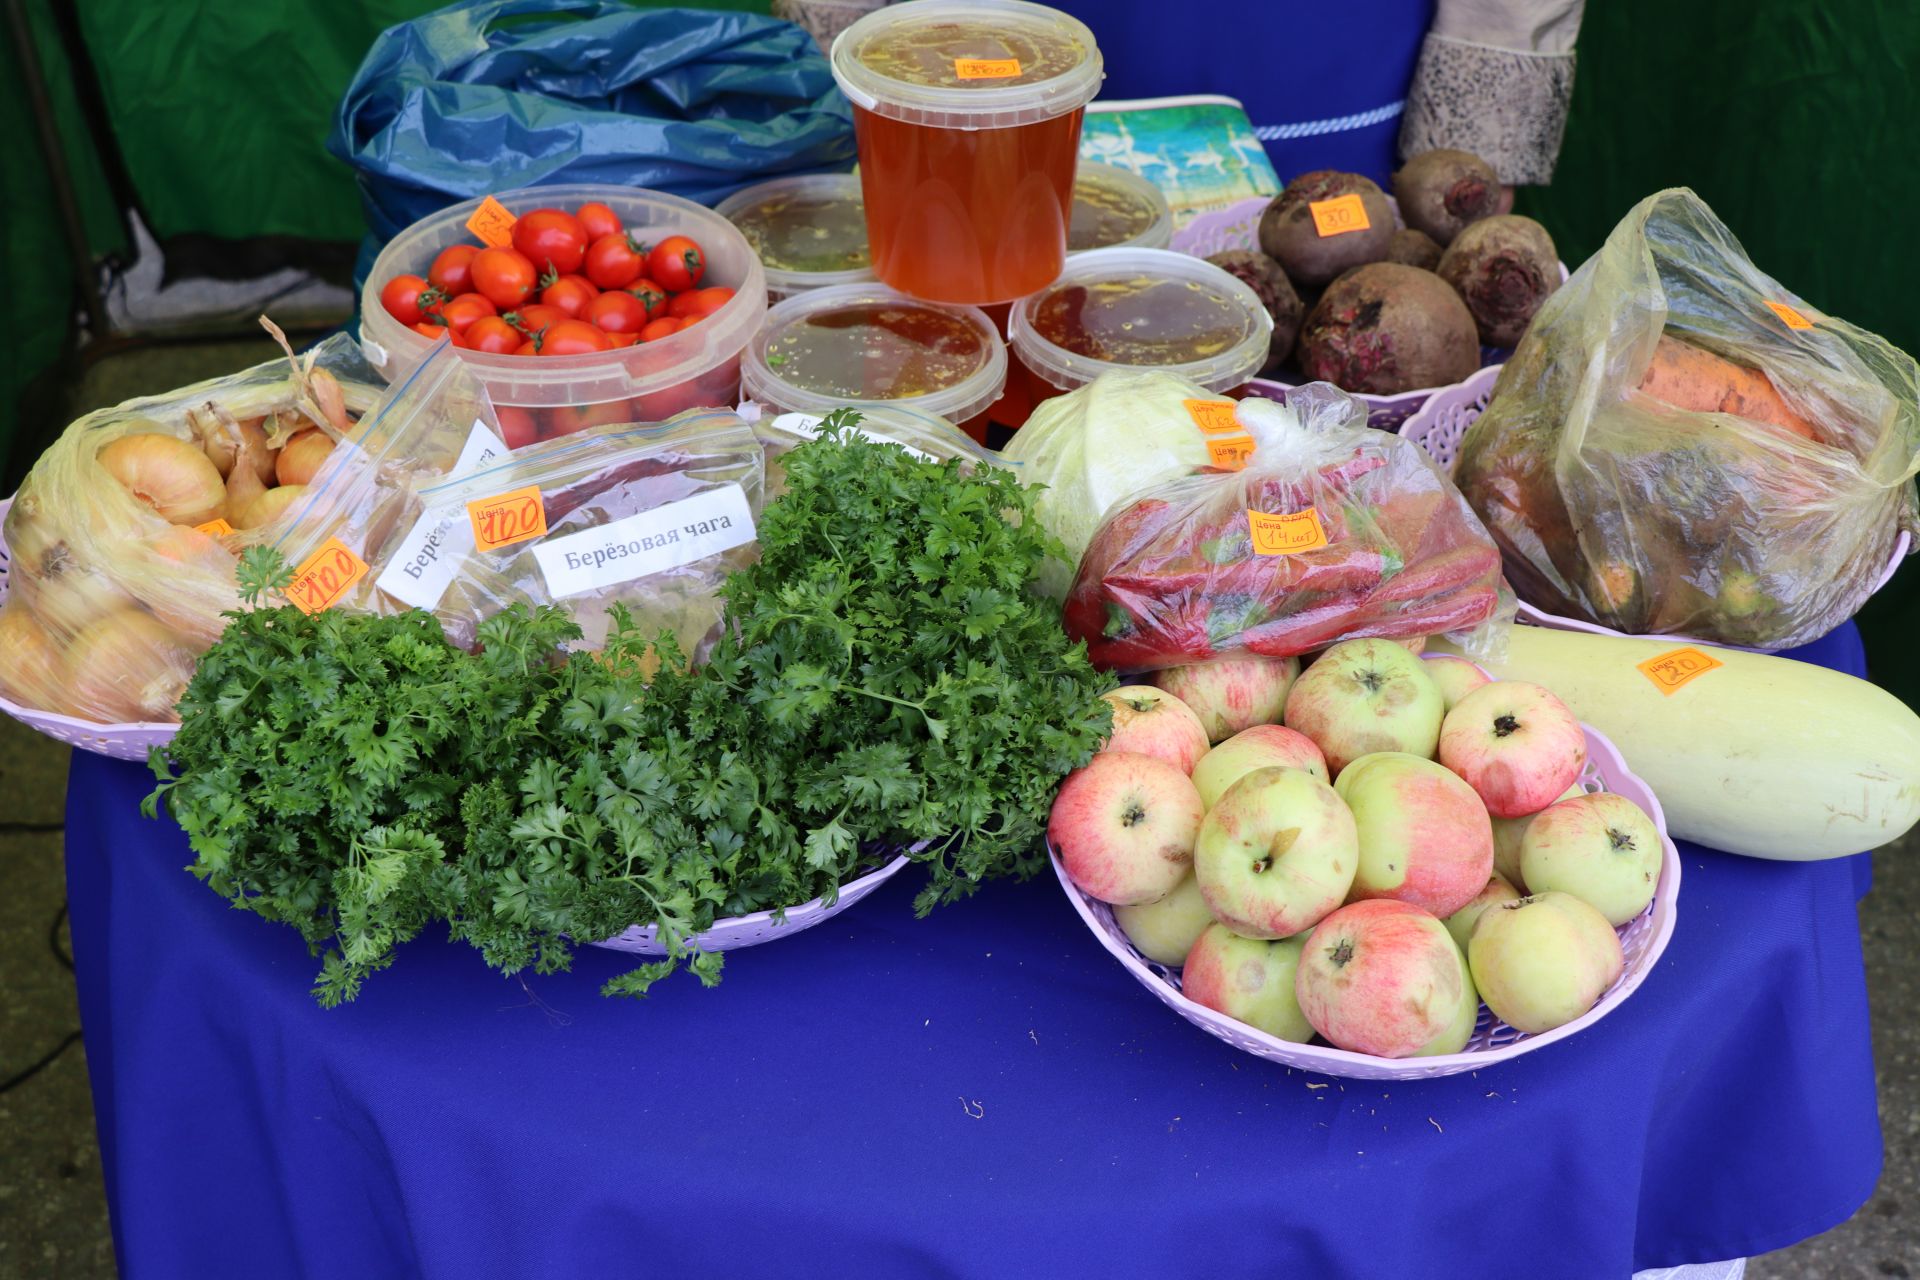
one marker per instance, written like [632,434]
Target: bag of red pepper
[1331,531]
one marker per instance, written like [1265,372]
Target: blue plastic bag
[491,95]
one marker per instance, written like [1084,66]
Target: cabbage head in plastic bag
[1332,531]
[1682,446]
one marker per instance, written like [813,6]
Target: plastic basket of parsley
[886,679]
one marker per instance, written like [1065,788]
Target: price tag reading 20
[507,518]
[325,576]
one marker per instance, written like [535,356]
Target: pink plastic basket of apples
[1370,928]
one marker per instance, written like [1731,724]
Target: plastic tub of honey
[1133,309]
[967,118]
[1115,208]
[809,230]
[866,343]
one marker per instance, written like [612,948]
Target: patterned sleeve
[1495,78]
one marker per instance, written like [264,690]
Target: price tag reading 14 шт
[1339,215]
[1285,535]
[325,576]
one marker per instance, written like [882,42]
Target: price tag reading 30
[507,518]
[1339,215]
[325,576]
[1669,671]
[1285,535]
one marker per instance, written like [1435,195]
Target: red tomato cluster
[570,283]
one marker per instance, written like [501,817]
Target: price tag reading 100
[325,576]
[507,518]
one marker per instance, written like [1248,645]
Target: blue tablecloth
[982,1093]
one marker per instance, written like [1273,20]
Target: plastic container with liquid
[810,231]
[967,118]
[1133,309]
[866,343]
[1115,208]
[538,397]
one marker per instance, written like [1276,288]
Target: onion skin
[302,457]
[167,473]
[31,666]
[268,506]
[222,448]
[127,667]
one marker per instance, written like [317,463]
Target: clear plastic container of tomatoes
[867,344]
[541,396]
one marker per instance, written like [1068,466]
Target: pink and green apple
[1425,838]
[1508,834]
[1249,980]
[1382,977]
[1516,744]
[1152,722]
[1264,746]
[1466,1017]
[1460,923]
[1165,929]
[1276,853]
[1362,696]
[1124,825]
[1231,694]
[1543,960]
[1456,677]
[1601,848]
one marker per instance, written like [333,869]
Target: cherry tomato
[618,311]
[573,338]
[622,339]
[430,329]
[650,293]
[598,220]
[700,302]
[551,239]
[532,319]
[504,276]
[676,264]
[662,327]
[493,335]
[531,347]
[461,312]
[615,261]
[571,294]
[518,427]
[401,297]
[452,270]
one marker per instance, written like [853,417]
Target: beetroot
[1414,249]
[1288,234]
[1442,192]
[1388,328]
[1265,277]
[1504,267]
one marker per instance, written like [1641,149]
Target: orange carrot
[1698,381]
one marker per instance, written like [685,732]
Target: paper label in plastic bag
[986,68]
[1230,453]
[1677,667]
[666,537]
[325,576]
[506,518]
[1284,535]
[808,425]
[421,568]
[1215,417]
[1339,215]
[1788,316]
[492,223]
[217,527]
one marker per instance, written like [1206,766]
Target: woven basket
[1442,422]
[1642,939]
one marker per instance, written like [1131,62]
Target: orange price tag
[1339,215]
[1788,316]
[1669,671]
[492,223]
[325,576]
[218,527]
[1283,535]
[1230,453]
[1215,417]
[986,68]
[507,518]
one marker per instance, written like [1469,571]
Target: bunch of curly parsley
[885,679]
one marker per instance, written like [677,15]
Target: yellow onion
[192,598]
[226,440]
[302,456]
[251,476]
[30,663]
[326,392]
[127,667]
[168,474]
[269,506]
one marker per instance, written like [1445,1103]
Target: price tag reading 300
[507,518]
[325,576]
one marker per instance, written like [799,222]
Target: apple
[1541,961]
[1152,722]
[1381,977]
[1466,1017]
[1276,853]
[1231,694]
[1249,980]
[1514,743]
[1601,848]
[1460,924]
[1264,746]
[1507,835]
[1124,826]
[1363,696]
[1415,645]
[1456,677]
[1425,838]
[1165,930]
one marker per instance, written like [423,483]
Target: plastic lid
[1142,308]
[808,230]
[968,64]
[1115,208]
[857,343]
